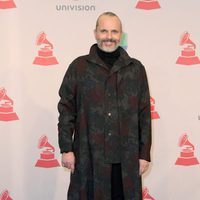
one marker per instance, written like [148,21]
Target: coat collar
[123,60]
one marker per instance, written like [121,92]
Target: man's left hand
[144,165]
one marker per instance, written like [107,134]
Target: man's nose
[109,35]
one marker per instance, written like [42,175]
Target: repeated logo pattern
[186,157]
[146,195]
[154,113]
[188,53]
[6,107]
[47,159]
[6,4]
[45,53]
[148,4]
[5,195]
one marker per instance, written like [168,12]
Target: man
[104,123]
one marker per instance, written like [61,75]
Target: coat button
[109,114]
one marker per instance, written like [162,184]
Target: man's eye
[115,31]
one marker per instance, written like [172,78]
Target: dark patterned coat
[104,118]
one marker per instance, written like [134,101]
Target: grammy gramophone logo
[188,52]
[6,107]
[5,195]
[47,159]
[45,53]
[146,195]
[186,156]
[147,4]
[154,113]
[6,4]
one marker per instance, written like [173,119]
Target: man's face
[108,33]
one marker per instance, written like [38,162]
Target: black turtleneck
[108,58]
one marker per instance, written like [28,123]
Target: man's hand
[144,165]
[68,161]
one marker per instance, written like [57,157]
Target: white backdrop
[29,92]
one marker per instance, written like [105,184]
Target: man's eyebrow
[103,29]
[115,30]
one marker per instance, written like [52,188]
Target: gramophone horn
[5,195]
[184,141]
[43,142]
[41,39]
[185,39]
[146,195]
[2,92]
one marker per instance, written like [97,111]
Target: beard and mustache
[108,49]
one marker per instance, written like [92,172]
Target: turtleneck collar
[108,58]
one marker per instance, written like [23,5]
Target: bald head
[108,14]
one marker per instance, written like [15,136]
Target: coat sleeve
[144,116]
[67,110]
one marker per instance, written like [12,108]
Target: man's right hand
[68,161]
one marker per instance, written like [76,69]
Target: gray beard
[106,50]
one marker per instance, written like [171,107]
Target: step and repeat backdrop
[39,39]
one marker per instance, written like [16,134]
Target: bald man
[104,126]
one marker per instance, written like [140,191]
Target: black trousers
[116,182]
